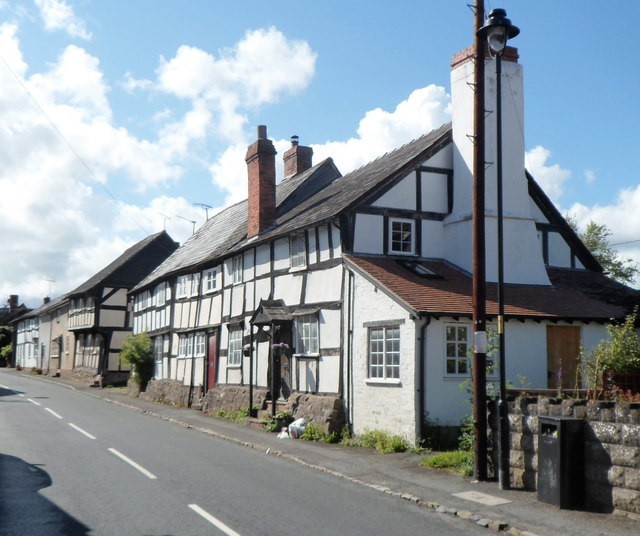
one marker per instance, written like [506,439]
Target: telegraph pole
[479,369]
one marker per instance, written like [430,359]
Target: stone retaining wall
[611,448]
[171,392]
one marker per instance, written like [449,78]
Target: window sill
[384,381]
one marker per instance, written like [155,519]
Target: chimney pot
[262,132]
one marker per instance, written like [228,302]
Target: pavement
[508,512]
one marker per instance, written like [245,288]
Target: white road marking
[20,394]
[133,464]
[34,402]
[77,428]
[53,413]
[216,522]
[482,498]
[5,387]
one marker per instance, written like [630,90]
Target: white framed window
[384,352]
[402,236]
[200,344]
[307,334]
[195,284]
[457,345]
[236,269]
[297,252]
[160,295]
[209,280]
[184,285]
[182,346]
[234,349]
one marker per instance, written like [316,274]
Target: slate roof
[575,294]
[310,198]
[133,265]
[44,308]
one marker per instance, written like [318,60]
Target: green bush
[238,415]
[137,352]
[620,352]
[313,432]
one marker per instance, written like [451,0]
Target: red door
[212,360]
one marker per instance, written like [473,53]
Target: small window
[297,252]
[200,344]
[384,352]
[184,284]
[236,269]
[402,236]
[234,350]
[457,347]
[195,284]
[210,280]
[307,335]
[182,346]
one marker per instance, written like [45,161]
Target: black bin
[561,462]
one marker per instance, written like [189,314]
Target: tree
[137,352]
[5,345]
[596,238]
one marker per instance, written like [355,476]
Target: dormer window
[402,236]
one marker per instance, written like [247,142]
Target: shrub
[313,432]
[620,352]
[137,352]
[383,442]
[238,415]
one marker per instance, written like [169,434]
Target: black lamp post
[497,30]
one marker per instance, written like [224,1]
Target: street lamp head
[497,29]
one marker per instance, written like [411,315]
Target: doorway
[563,356]
[212,360]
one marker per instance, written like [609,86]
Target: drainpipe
[421,371]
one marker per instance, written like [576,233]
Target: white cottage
[357,288]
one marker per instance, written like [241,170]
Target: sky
[119,119]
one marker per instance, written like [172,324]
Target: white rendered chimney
[523,260]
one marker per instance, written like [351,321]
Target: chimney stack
[297,159]
[261,168]
[46,300]
[13,303]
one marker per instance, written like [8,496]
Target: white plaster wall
[203,313]
[215,314]
[458,242]
[262,290]
[368,234]
[536,213]
[237,300]
[263,260]
[337,243]
[442,159]
[323,285]
[559,251]
[434,192]
[226,301]
[248,265]
[402,195]
[323,243]
[382,406]
[249,296]
[329,328]
[281,254]
[328,375]
[432,239]
[313,247]
[288,288]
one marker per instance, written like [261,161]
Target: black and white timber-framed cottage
[98,317]
[350,296]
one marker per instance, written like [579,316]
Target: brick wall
[611,448]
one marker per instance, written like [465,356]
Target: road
[72,464]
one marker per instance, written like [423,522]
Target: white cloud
[58,15]
[590,176]
[550,177]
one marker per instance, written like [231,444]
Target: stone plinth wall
[611,448]
[324,411]
[232,398]
[171,392]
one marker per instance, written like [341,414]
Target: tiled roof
[317,195]
[570,297]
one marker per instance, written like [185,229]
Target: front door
[212,360]
[563,356]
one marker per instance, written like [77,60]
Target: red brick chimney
[261,168]
[297,159]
